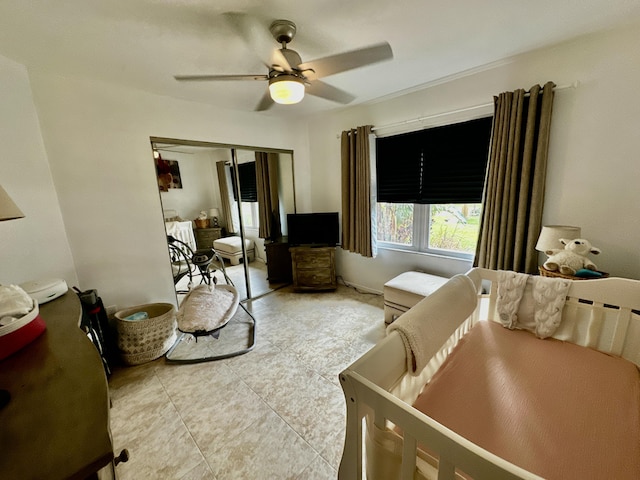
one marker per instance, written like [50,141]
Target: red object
[21,332]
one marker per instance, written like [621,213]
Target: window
[442,228]
[250,214]
[429,188]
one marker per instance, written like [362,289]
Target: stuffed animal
[572,258]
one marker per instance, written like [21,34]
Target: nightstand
[206,236]
[313,268]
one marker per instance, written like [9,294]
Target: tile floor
[276,412]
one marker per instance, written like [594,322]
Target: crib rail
[603,314]
[600,314]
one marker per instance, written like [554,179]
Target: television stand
[314,268]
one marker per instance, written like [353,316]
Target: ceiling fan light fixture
[286,89]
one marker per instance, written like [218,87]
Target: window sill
[467,258]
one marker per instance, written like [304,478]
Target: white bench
[404,291]
[230,248]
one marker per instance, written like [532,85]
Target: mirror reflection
[230,198]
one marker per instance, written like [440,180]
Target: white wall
[97,141]
[199,190]
[34,247]
[594,164]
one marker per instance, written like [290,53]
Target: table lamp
[551,234]
[214,213]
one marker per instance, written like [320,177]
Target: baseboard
[358,287]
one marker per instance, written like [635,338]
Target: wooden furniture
[56,424]
[206,236]
[278,261]
[314,268]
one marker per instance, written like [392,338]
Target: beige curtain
[224,197]
[268,201]
[515,183]
[356,191]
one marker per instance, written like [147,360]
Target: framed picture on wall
[168,172]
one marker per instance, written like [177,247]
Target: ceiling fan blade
[265,102]
[258,38]
[324,90]
[348,60]
[199,78]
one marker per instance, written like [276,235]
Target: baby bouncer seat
[210,325]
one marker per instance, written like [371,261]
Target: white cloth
[437,316]
[532,303]
[14,301]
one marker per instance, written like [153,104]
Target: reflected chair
[181,265]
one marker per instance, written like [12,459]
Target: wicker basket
[202,222]
[549,273]
[141,341]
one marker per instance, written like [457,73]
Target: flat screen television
[313,229]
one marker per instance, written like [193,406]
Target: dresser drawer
[206,236]
[313,259]
[315,278]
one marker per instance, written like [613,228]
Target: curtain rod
[460,110]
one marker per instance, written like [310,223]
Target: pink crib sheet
[554,408]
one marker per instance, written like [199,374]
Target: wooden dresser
[56,425]
[313,268]
[206,236]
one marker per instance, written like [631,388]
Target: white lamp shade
[286,89]
[8,209]
[214,212]
[551,234]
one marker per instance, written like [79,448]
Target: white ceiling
[143,43]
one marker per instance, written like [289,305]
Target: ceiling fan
[288,76]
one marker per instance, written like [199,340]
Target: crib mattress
[554,408]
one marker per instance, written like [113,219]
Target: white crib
[379,391]
[182,231]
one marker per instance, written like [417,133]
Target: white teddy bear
[572,258]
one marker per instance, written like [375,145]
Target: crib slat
[446,470]
[594,326]
[409,447]
[620,334]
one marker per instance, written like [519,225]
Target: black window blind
[443,164]
[248,183]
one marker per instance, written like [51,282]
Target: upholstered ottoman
[230,248]
[404,291]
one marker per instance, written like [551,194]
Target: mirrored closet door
[232,198]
